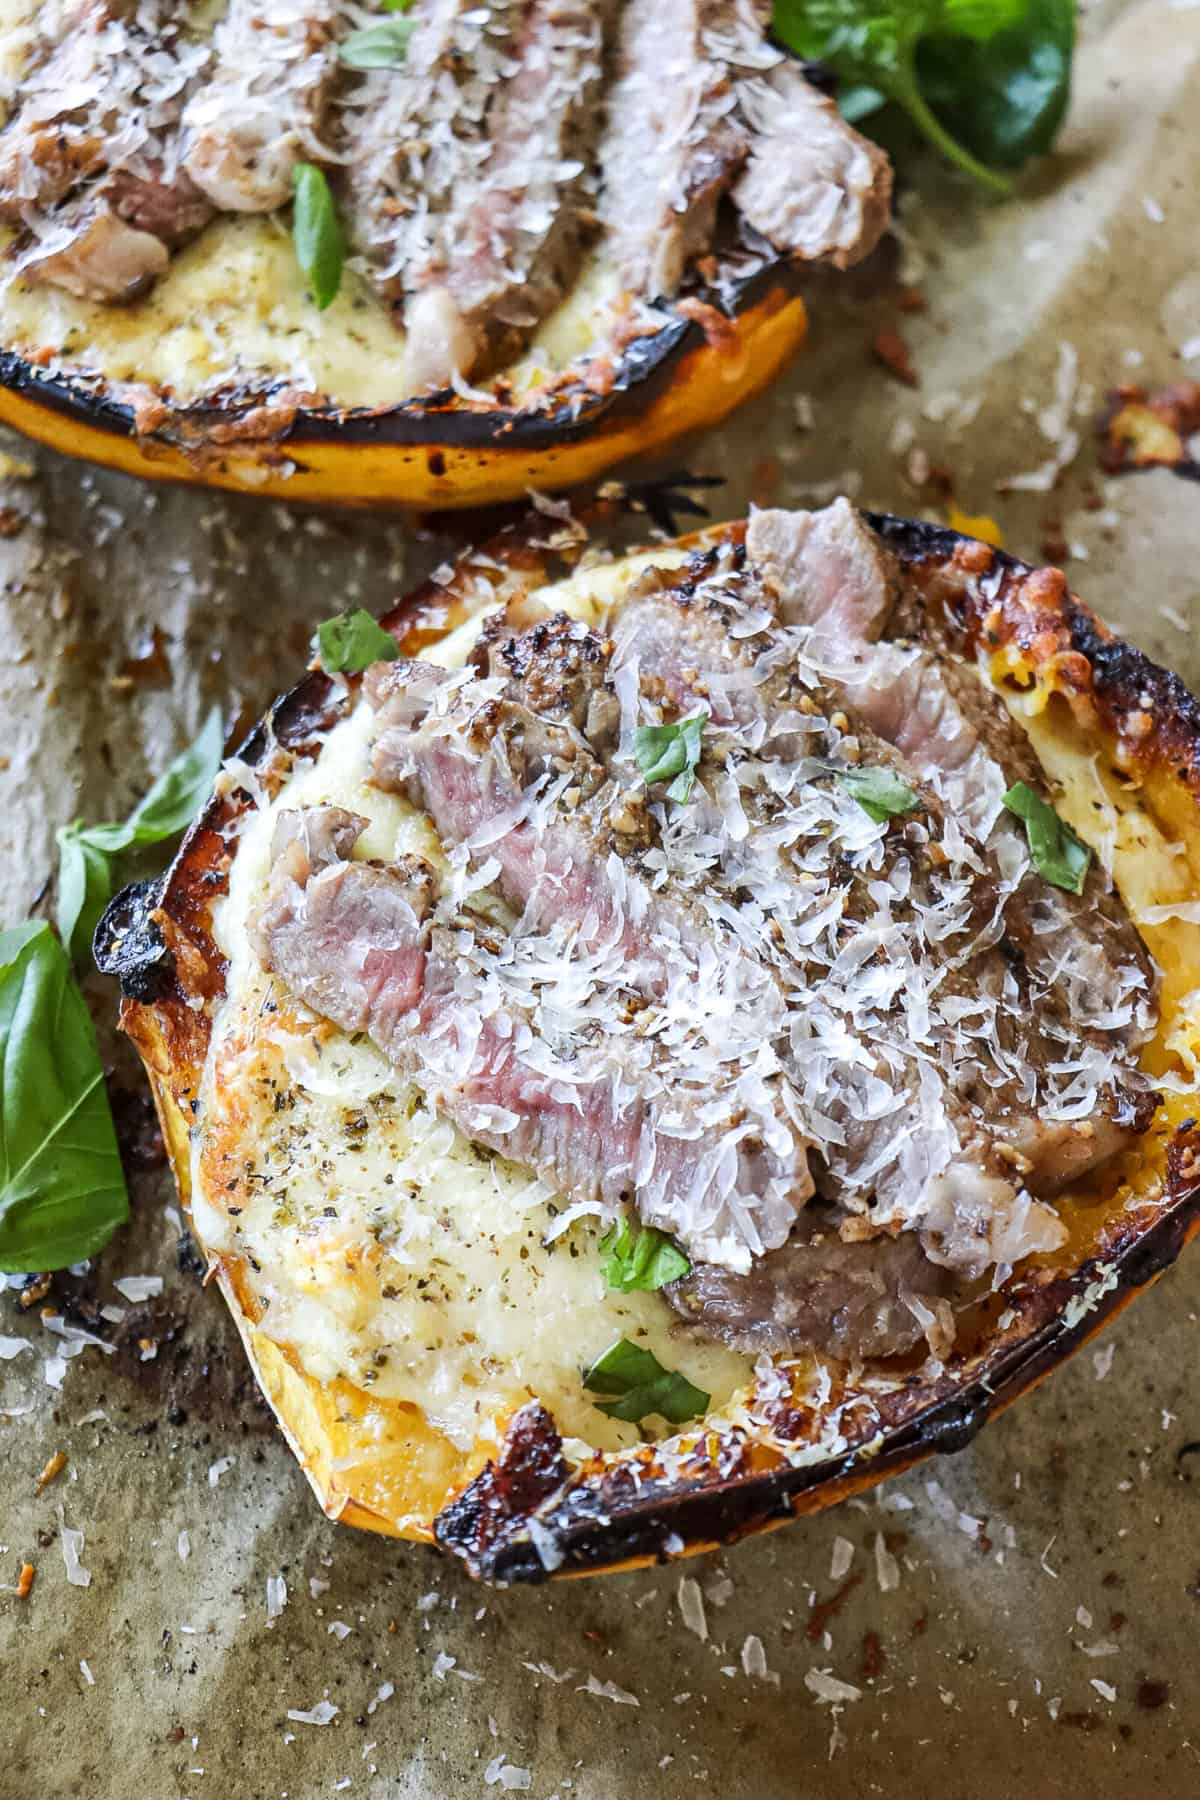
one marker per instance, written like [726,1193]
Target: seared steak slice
[824,569]
[349,939]
[355,941]
[702,106]
[849,1300]
[1008,996]
[1089,973]
[57,135]
[106,96]
[813,185]
[114,239]
[481,768]
[467,176]
[89,161]
[672,143]
[415,138]
[90,251]
[511,249]
[263,110]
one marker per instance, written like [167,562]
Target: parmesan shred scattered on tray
[323,1713]
[608,1690]
[503,1774]
[691,1607]
[829,1689]
[72,1548]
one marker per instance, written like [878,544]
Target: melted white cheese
[232,309]
[390,1251]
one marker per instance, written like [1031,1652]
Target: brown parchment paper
[1022,1619]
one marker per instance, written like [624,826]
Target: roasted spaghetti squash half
[687,1035]
[433,260]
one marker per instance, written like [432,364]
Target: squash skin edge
[435,454]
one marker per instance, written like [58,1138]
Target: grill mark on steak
[263,109]
[359,943]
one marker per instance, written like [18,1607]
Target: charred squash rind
[518,1514]
[434,453]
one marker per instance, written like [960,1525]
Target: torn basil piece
[663,751]
[639,1258]
[1058,855]
[316,233]
[382,46]
[880,792]
[351,641]
[636,1384]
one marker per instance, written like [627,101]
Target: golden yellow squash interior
[402,1294]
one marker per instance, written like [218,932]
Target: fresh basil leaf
[352,641]
[880,792]
[382,46]
[986,81]
[666,750]
[639,1258]
[176,797]
[86,853]
[85,886]
[397,5]
[642,1386]
[62,1190]
[316,233]
[1005,99]
[1058,855]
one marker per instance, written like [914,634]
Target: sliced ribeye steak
[801,994]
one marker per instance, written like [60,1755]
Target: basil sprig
[62,1190]
[351,641]
[640,1258]
[88,854]
[1058,855]
[638,1385]
[880,792]
[316,234]
[986,81]
[381,46]
[663,751]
